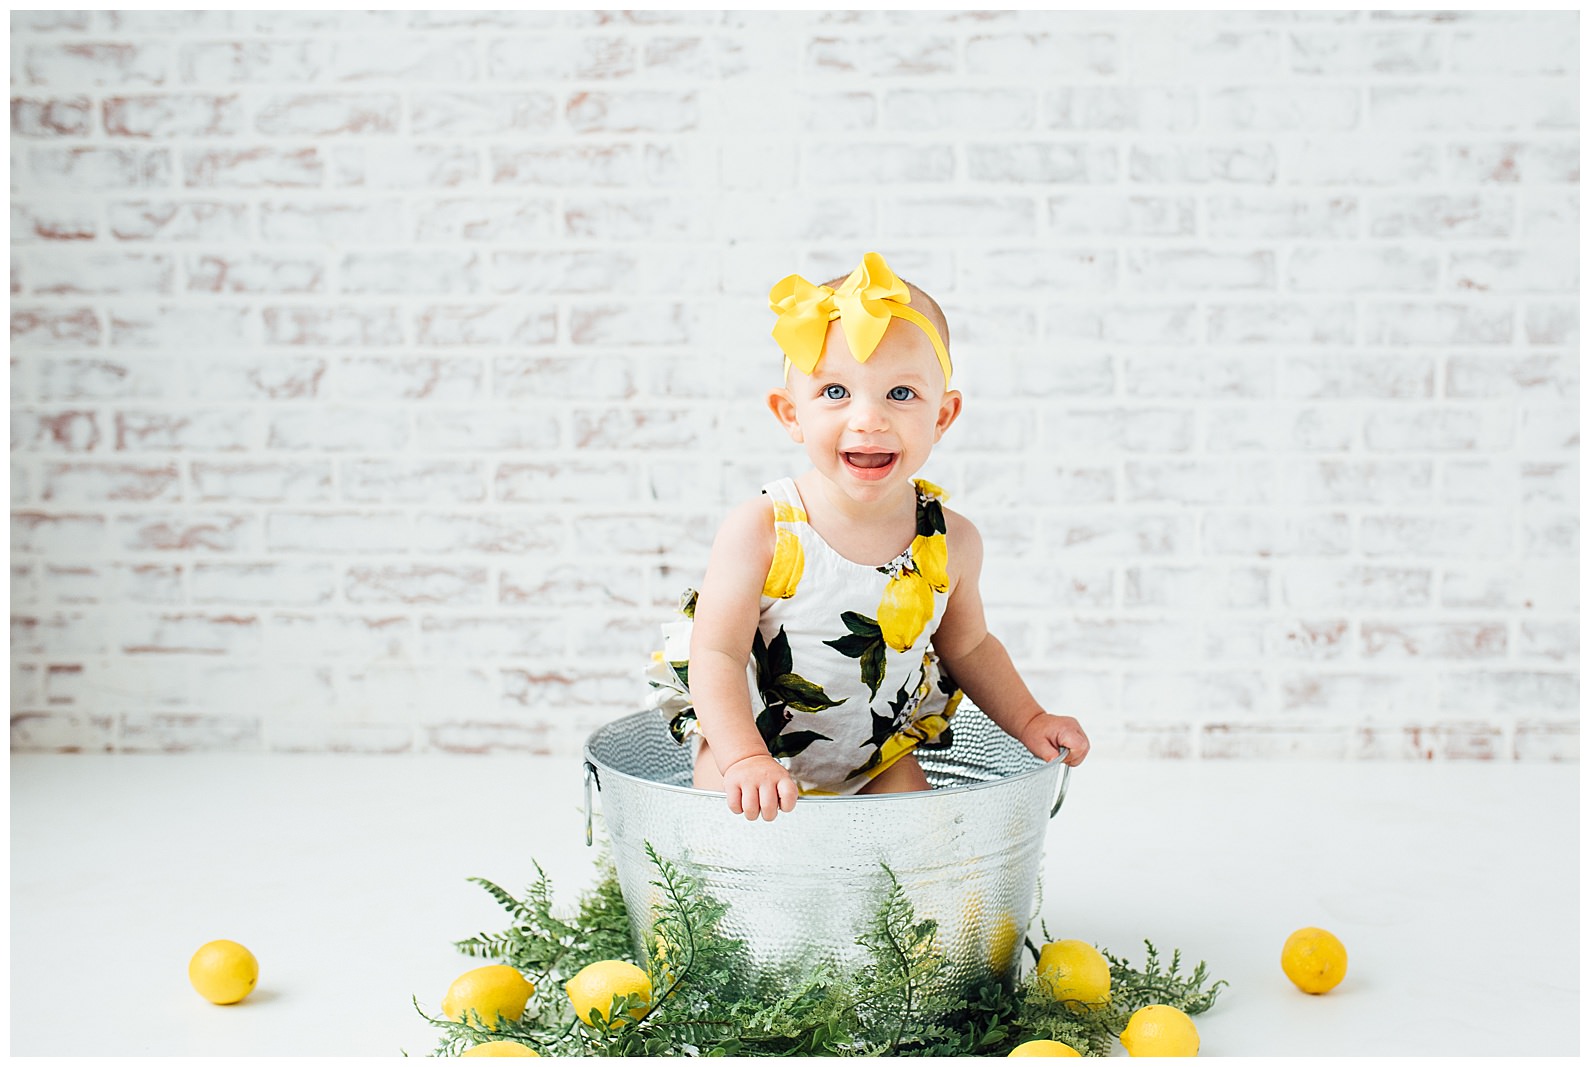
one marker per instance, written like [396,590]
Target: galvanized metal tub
[800,889]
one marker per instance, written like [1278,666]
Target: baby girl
[839,620]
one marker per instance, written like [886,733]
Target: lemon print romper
[842,677]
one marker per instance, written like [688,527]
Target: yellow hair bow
[863,304]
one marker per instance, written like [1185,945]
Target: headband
[863,304]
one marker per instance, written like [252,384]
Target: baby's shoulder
[749,522]
[958,526]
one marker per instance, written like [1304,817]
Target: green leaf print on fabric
[864,642]
[929,516]
[783,693]
[883,728]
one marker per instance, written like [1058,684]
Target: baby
[839,619]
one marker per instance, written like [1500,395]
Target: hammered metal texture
[801,888]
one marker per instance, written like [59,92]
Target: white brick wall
[378,377]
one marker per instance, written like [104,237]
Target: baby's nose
[868,415]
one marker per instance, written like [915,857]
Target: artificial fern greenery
[708,999]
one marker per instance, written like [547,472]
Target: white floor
[1454,886]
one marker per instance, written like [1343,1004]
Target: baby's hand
[1045,734]
[759,785]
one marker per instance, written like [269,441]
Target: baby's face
[869,427]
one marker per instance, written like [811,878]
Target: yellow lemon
[906,607]
[1314,959]
[929,490]
[783,512]
[1044,1048]
[789,560]
[932,558]
[489,992]
[501,1048]
[1160,1030]
[224,972]
[1076,974]
[1002,945]
[594,988]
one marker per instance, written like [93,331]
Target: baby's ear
[949,411]
[783,407]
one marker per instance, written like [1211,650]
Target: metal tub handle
[590,776]
[1065,782]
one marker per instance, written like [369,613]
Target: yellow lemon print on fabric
[932,558]
[906,607]
[789,560]
[787,512]
[929,490]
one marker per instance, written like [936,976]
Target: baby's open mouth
[873,463]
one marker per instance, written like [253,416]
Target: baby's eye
[901,392]
[835,392]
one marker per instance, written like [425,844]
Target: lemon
[789,560]
[501,1048]
[1160,1030]
[594,988]
[1044,1048]
[1314,959]
[489,992]
[931,557]
[1076,973]
[905,609]
[224,972]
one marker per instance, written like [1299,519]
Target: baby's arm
[981,666]
[728,606]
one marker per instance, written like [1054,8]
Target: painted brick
[632,218]
[52,116]
[405,166]
[1183,163]
[164,431]
[173,115]
[1081,164]
[438,113]
[1210,483]
[979,111]
[1357,587]
[829,112]
[32,532]
[494,637]
[1548,429]
[45,222]
[1286,639]
[188,531]
[256,378]
[1326,322]
[187,633]
[1273,533]
[338,429]
[276,583]
[1108,214]
[1195,588]
[1514,162]
[405,58]
[178,220]
[1358,160]
[1547,216]
[250,62]
[253,168]
[486,430]
[560,377]
[1445,323]
[1438,429]
[563,481]
[507,219]
[1335,377]
[1551,324]
[261,482]
[327,114]
[1271,216]
[380,481]
[1283,109]
[478,739]
[364,639]
[1339,482]
[638,323]
[1356,54]
[877,163]
[1272,741]
[96,64]
[415,584]
[501,532]
[551,586]
[892,55]
[362,221]
[55,431]
[139,732]
[1158,271]
[1546,741]
[1493,105]
[254,273]
[1491,692]
[54,327]
[1446,535]
[1349,270]
[1532,48]
[333,327]
[1429,640]
[135,583]
[1542,271]
[178,327]
[1123,534]
[1200,54]
[79,270]
[1026,56]
[64,732]
[76,484]
[581,166]
[337,532]
[496,325]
